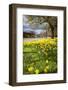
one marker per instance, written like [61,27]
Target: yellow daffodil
[47,67]
[30,69]
[45,70]
[46,61]
[37,71]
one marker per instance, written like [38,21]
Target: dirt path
[31,39]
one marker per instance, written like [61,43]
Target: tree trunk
[52,29]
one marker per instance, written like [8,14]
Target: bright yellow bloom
[30,69]
[47,67]
[45,70]
[46,61]
[37,71]
[41,42]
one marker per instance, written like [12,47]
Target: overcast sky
[36,29]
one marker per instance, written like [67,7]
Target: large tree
[46,21]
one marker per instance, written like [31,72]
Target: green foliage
[40,56]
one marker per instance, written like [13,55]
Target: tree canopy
[45,22]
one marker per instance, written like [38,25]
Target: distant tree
[36,21]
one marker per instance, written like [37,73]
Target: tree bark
[52,29]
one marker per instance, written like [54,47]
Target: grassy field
[40,56]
